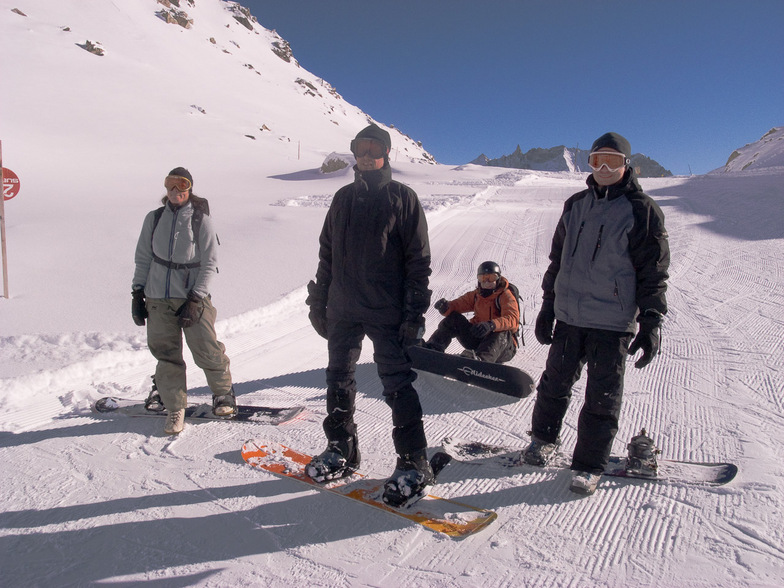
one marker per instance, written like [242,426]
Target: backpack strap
[195,226]
[518,334]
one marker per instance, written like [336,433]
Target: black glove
[318,318]
[442,305]
[138,307]
[648,338]
[411,332]
[190,312]
[317,301]
[482,330]
[543,330]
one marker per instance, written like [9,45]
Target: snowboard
[264,415]
[455,519]
[712,474]
[491,376]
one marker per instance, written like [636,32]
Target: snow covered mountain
[161,74]
[569,159]
[768,152]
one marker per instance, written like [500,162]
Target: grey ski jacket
[609,259]
[173,241]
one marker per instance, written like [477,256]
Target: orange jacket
[486,309]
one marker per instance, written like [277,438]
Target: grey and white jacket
[609,259]
[173,242]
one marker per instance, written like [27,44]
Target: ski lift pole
[2,225]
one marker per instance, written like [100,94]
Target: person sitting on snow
[490,335]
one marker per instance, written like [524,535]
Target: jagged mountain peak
[768,152]
[566,159]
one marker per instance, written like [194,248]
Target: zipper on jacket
[577,240]
[171,251]
[598,243]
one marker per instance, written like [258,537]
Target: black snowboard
[713,474]
[491,376]
[253,414]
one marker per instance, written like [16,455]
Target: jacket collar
[627,184]
[372,181]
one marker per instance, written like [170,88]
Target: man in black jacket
[372,280]
[608,269]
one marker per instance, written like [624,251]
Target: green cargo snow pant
[164,338]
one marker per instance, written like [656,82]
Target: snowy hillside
[766,153]
[102,131]
[90,500]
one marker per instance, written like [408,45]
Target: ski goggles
[177,182]
[365,147]
[612,161]
[487,277]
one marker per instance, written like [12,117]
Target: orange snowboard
[446,516]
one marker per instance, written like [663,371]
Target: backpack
[200,207]
[518,334]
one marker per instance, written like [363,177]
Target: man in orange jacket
[490,335]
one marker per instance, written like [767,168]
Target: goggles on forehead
[487,277]
[364,147]
[612,161]
[178,182]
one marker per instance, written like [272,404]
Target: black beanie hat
[613,141]
[183,173]
[376,133]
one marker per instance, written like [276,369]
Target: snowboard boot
[539,452]
[175,422]
[154,402]
[340,459]
[412,474]
[584,483]
[224,405]
[641,456]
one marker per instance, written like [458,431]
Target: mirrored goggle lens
[365,147]
[613,161]
[488,277]
[182,184]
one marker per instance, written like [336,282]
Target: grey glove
[190,312]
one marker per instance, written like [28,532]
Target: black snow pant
[605,353]
[495,348]
[344,342]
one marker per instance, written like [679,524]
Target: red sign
[10,184]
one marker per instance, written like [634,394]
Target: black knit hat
[376,133]
[613,141]
[183,173]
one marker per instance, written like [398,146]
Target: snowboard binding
[641,456]
[154,402]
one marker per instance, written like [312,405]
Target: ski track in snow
[187,510]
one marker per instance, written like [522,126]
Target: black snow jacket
[610,257]
[374,253]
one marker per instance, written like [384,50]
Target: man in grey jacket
[176,258]
[608,270]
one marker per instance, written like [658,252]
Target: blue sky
[686,81]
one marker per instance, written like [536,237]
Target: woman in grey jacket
[176,258]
